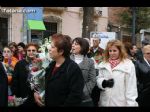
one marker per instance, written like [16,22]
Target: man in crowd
[143,77]
[96,52]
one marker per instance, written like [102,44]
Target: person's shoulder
[103,64]
[100,49]
[72,63]
[90,60]
[73,67]
[21,62]
[128,61]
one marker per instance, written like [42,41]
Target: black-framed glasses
[29,50]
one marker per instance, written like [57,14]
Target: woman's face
[13,49]
[113,53]
[7,53]
[20,49]
[76,48]
[53,52]
[31,51]
[134,49]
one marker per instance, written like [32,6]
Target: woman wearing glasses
[20,84]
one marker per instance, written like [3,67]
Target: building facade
[66,20]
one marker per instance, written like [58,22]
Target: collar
[146,61]
[78,56]
[122,66]
[95,49]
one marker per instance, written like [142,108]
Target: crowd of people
[77,74]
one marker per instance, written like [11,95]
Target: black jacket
[20,85]
[65,87]
[3,87]
[143,78]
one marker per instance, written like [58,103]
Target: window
[51,28]
[3,32]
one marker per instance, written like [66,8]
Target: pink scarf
[114,63]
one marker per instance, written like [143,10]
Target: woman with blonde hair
[117,77]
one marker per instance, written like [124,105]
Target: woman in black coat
[20,80]
[64,80]
[3,87]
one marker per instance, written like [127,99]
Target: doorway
[3,32]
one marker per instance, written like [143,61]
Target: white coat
[124,91]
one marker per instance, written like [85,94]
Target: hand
[38,99]
[108,83]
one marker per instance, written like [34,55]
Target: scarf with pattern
[114,63]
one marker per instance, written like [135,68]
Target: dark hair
[22,45]
[62,42]
[15,53]
[84,45]
[128,46]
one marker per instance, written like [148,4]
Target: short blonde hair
[120,47]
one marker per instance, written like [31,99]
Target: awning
[36,25]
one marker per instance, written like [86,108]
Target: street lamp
[87,28]
[119,32]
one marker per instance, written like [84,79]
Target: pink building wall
[17,22]
[72,22]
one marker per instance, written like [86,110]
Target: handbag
[95,94]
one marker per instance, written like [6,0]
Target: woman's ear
[61,51]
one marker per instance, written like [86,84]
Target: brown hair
[62,42]
[32,44]
[13,44]
[120,47]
